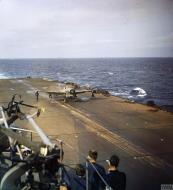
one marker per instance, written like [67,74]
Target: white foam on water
[110,73]
[123,94]
[131,97]
[138,92]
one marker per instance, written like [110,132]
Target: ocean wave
[108,73]
[118,79]
[64,78]
[138,92]
[122,94]
[129,95]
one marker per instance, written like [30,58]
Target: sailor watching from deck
[94,179]
[115,178]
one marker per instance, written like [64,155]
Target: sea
[119,76]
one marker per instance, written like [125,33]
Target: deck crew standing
[95,180]
[37,95]
[115,178]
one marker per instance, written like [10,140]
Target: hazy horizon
[89,58]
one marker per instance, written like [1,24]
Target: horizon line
[86,57]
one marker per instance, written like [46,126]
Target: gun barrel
[42,135]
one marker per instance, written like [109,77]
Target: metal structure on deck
[24,164]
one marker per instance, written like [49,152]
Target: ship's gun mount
[13,111]
[40,156]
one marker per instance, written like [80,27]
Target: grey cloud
[82,28]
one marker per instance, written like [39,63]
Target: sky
[86,28]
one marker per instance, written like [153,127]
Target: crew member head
[114,161]
[80,170]
[92,155]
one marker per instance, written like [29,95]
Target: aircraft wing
[56,93]
[82,91]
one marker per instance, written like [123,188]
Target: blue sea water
[117,75]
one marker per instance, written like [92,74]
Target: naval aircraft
[67,91]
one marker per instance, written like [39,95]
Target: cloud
[82,28]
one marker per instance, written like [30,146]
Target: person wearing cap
[95,180]
[115,178]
